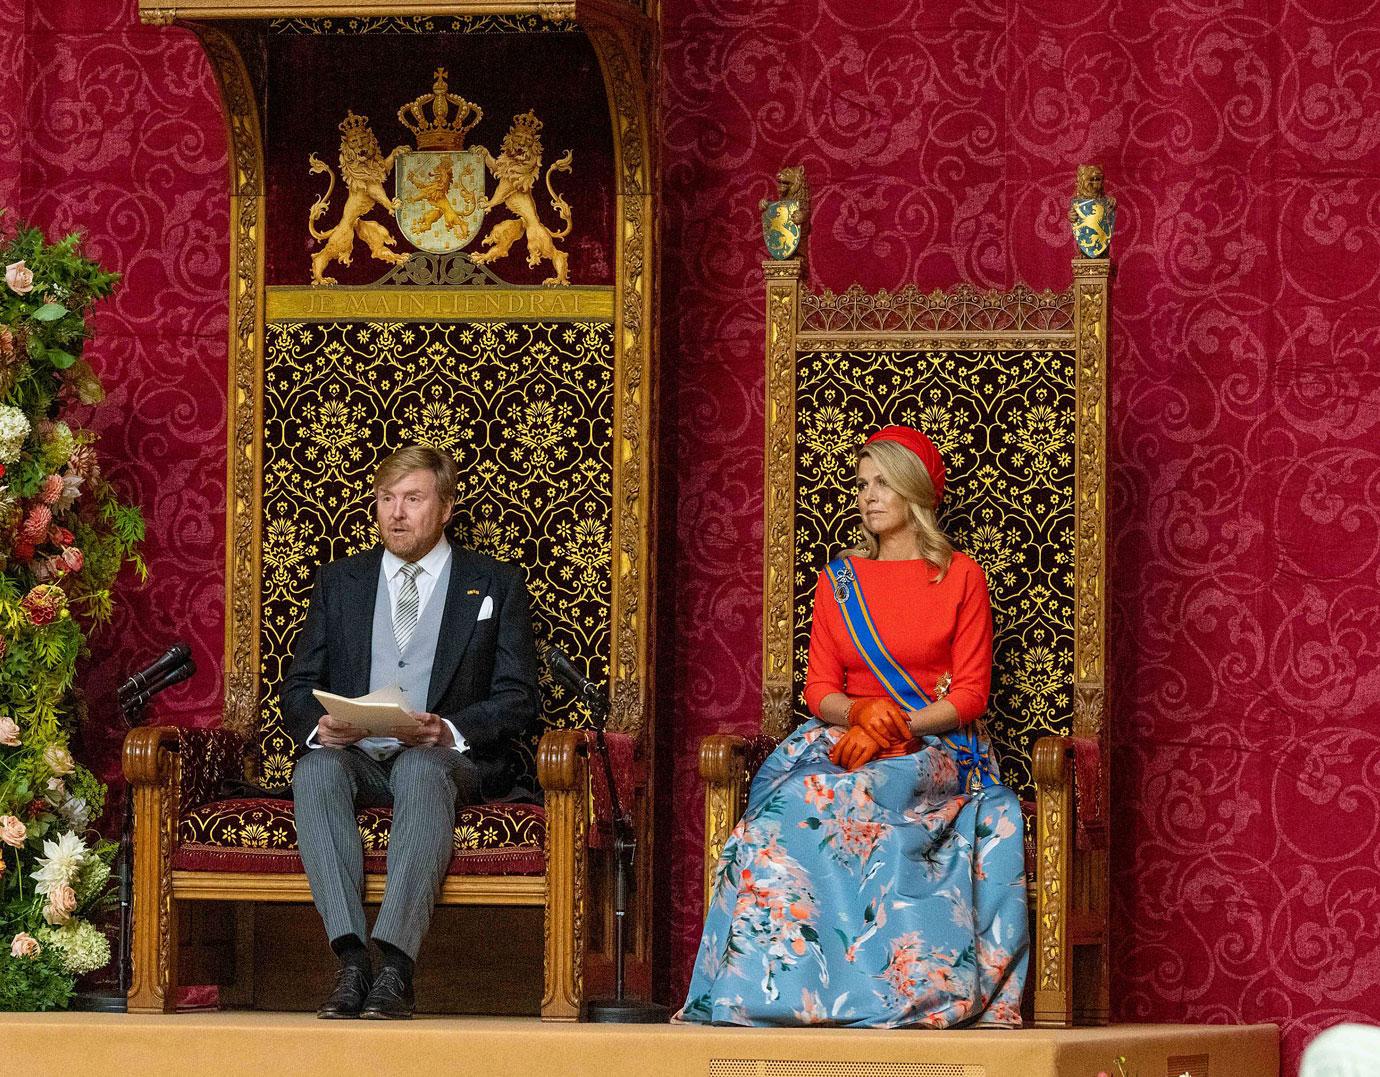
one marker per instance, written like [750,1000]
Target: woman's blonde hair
[905,474]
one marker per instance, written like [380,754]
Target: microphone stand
[618,1009]
[132,705]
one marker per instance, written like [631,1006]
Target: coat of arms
[439,198]
[784,217]
[440,204]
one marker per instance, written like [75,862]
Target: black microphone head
[170,659]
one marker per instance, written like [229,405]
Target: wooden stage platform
[232,1044]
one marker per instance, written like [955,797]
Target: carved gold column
[783,315]
[247,214]
[1092,307]
[151,770]
[624,42]
[724,770]
[563,770]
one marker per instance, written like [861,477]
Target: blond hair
[905,474]
[419,458]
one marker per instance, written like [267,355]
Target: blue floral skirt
[886,897]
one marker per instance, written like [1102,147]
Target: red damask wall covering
[1243,144]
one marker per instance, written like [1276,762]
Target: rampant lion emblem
[362,169]
[434,190]
[516,169]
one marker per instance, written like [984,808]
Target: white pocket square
[486,608]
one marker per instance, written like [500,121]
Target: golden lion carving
[516,169]
[363,169]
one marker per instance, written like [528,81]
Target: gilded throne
[543,396]
[1012,387]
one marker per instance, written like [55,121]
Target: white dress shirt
[432,565]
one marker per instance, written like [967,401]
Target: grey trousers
[423,785]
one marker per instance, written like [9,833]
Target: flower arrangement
[64,537]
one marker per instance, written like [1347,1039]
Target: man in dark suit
[452,629]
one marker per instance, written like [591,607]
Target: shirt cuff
[460,745]
[311,738]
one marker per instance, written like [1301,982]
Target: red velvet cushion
[252,834]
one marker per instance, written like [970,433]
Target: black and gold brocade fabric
[526,410]
[1004,423]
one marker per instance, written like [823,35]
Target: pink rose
[12,831]
[58,760]
[62,904]
[9,732]
[25,945]
[20,278]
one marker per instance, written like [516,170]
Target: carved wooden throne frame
[158,761]
[1069,899]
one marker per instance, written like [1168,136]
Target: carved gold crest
[363,168]
[440,202]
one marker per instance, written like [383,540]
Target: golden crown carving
[436,128]
[527,124]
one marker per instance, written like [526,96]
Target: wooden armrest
[196,762]
[148,754]
[563,761]
[723,758]
[1052,762]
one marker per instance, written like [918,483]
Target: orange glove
[854,749]
[881,719]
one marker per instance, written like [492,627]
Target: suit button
[401,664]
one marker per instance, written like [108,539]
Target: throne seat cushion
[259,834]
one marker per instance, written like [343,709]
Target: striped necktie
[406,610]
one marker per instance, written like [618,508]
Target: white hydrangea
[14,431]
[81,946]
[60,862]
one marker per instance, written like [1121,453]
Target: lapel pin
[472,591]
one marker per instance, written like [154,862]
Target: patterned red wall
[941,141]
[1244,148]
[113,129]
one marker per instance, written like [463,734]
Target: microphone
[140,700]
[175,655]
[564,671]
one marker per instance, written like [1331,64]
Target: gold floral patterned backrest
[996,380]
[525,408]
[1003,422]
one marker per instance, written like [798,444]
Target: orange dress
[931,629]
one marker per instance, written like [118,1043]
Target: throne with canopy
[537,379]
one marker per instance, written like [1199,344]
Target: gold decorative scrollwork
[619,57]
[1051,899]
[246,309]
[420,24]
[778,624]
[963,310]
[526,410]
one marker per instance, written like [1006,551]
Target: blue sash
[977,767]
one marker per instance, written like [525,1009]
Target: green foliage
[34,983]
[64,539]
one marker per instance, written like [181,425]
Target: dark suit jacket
[484,678]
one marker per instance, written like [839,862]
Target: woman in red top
[876,877]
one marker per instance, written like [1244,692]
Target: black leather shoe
[348,995]
[391,997]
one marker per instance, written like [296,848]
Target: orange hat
[921,446]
